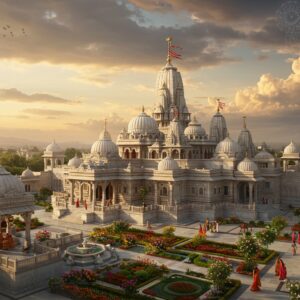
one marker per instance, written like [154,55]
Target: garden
[124,280]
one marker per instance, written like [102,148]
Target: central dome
[142,124]
[9,183]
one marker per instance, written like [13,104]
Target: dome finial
[169,41]
[244,122]
[143,109]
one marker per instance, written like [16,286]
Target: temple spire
[143,109]
[105,124]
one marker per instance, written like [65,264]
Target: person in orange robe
[204,231]
[282,271]
[77,203]
[200,230]
[255,287]
[277,266]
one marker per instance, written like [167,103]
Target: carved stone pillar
[250,194]
[171,200]
[27,219]
[155,193]
[72,192]
[93,188]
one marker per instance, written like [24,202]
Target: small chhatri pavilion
[13,201]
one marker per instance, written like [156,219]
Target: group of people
[77,203]
[212,226]
[280,270]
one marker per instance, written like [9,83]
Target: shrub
[266,237]
[260,223]
[142,275]
[251,223]
[42,235]
[279,223]
[150,249]
[218,273]
[120,226]
[294,289]
[297,211]
[248,248]
[54,284]
[168,231]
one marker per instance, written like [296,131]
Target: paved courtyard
[271,287]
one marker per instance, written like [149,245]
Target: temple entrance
[175,154]
[127,154]
[244,195]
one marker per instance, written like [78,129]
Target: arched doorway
[175,154]
[244,195]
[127,154]
[133,154]
[99,193]
[108,194]
[182,154]
[153,154]
[164,154]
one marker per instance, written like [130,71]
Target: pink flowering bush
[42,235]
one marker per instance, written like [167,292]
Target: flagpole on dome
[169,41]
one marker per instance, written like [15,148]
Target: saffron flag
[221,105]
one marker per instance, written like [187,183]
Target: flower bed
[223,249]
[133,273]
[42,235]
[178,287]
[241,269]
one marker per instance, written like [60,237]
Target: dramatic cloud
[18,96]
[104,33]
[271,94]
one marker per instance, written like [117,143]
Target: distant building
[28,152]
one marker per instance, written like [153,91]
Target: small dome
[142,124]
[247,165]
[105,147]
[264,155]
[27,173]
[218,128]
[74,162]
[228,147]
[9,183]
[195,129]
[291,148]
[167,164]
[53,147]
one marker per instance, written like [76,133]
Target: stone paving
[271,287]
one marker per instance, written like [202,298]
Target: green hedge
[197,261]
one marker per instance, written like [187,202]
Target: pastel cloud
[15,95]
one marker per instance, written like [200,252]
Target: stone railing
[29,263]
[63,241]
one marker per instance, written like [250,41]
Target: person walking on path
[293,237]
[282,271]
[277,266]
[294,248]
[255,287]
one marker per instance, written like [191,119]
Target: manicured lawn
[178,287]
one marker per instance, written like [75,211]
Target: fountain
[88,253]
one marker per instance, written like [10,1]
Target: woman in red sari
[282,271]
[277,266]
[255,287]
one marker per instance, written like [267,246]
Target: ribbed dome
[105,147]
[167,164]
[218,128]
[74,162]
[264,155]
[228,147]
[53,147]
[195,129]
[9,183]
[142,124]
[247,165]
[27,173]
[291,148]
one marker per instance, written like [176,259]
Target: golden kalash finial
[169,40]
[244,122]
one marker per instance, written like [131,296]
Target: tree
[266,237]
[218,273]
[71,152]
[143,193]
[36,163]
[248,247]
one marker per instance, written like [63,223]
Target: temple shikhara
[166,167]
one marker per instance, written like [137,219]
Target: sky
[66,65]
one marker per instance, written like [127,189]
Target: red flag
[174,54]
[221,105]
[177,47]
